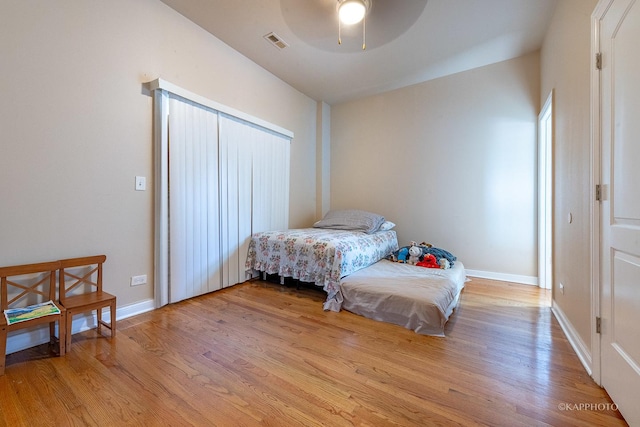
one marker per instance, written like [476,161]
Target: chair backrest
[80,275]
[28,284]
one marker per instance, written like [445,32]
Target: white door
[620,207]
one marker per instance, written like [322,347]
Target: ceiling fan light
[351,11]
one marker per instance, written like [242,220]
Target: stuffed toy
[422,245]
[402,255]
[429,261]
[415,255]
[444,263]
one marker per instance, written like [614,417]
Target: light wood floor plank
[262,354]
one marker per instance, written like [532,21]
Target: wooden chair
[81,291]
[24,286]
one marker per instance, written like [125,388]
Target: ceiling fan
[316,22]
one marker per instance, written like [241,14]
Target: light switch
[141,183]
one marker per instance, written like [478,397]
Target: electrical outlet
[138,280]
[561,288]
[141,183]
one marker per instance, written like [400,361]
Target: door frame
[545,194]
[595,180]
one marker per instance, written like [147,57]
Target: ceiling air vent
[276,40]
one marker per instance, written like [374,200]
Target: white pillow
[387,225]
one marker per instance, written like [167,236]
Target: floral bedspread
[318,255]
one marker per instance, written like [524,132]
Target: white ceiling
[408,41]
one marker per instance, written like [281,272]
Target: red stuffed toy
[429,261]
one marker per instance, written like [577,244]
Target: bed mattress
[320,256]
[418,298]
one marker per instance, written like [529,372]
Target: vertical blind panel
[271,183]
[282,153]
[236,144]
[228,192]
[228,179]
[214,267]
[193,200]
[244,201]
[222,175]
[254,189]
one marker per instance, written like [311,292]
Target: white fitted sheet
[418,298]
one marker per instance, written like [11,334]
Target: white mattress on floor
[418,298]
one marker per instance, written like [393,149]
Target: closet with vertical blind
[220,176]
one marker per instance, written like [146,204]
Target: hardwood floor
[261,354]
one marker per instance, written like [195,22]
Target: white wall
[452,161]
[566,63]
[76,126]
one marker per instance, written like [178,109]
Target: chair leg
[3,348]
[68,324]
[112,309]
[99,321]
[62,334]
[52,333]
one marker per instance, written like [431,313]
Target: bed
[418,298]
[318,255]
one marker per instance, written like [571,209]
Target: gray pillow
[351,219]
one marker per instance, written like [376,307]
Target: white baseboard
[27,338]
[572,336]
[515,278]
